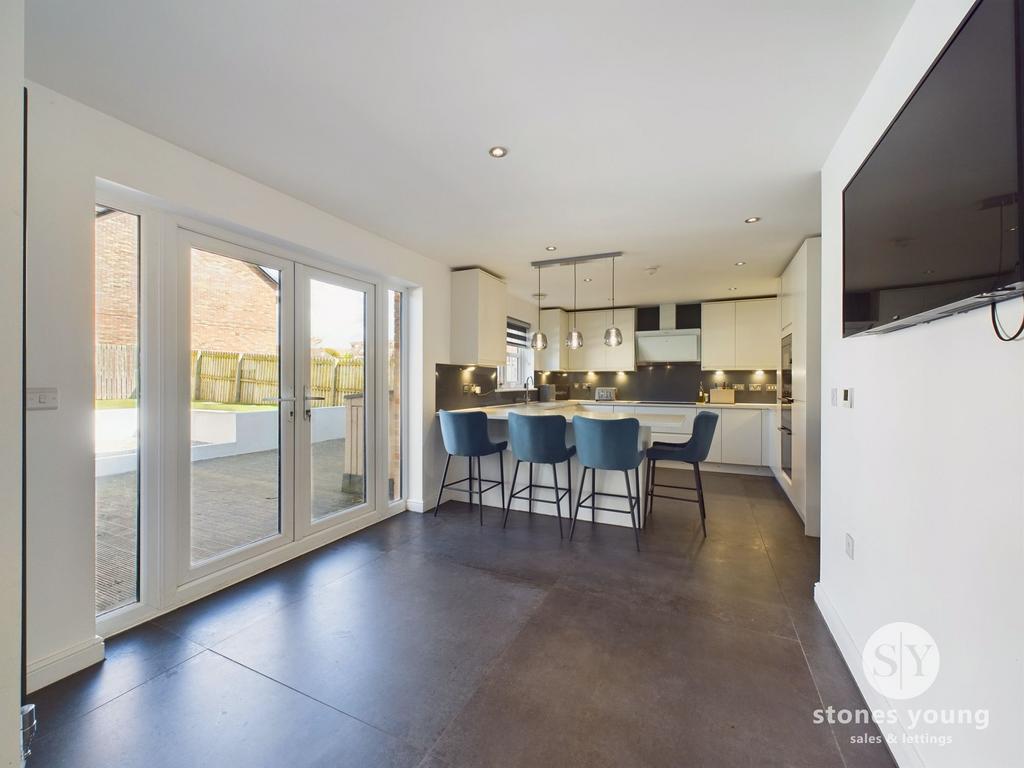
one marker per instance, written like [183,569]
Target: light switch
[42,399]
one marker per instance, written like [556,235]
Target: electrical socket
[849,546]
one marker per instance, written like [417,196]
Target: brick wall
[234,305]
[117,278]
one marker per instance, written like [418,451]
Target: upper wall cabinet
[740,335]
[554,323]
[718,335]
[594,355]
[479,318]
[757,341]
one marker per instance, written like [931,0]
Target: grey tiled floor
[440,643]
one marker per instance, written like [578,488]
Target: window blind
[517,333]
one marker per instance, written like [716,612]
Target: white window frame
[161,586]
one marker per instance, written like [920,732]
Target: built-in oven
[786,407]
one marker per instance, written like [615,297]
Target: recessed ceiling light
[497,151]
[740,264]
[588,279]
[752,220]
[551,248]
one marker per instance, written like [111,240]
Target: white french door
[237,404]
[277,405]
[334,370]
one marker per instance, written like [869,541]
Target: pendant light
[575,339]
[613,336]
[539,340]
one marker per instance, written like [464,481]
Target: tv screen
[932,218]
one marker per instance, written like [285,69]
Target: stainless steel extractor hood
[668,344]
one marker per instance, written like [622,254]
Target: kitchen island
[609,482]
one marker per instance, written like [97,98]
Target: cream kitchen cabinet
[718,335]
[594,355]
[479,318]
[554,323]
[740,335]
[742,436]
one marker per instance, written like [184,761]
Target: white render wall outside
[925,471]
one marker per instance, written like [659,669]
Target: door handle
[306,410]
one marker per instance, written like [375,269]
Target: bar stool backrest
[703,433]
[607,443]
[537,439]
[465,433]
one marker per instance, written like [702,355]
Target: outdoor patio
[235,502]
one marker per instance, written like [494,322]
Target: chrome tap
[526,386]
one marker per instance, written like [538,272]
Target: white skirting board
[56,666]
[905,754]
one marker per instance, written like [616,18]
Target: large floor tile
[132,658]
[400,644]
[217,617]
[598,681]
[211,712]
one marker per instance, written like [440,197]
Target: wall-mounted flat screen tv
[932,219]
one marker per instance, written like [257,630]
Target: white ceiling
[650,127]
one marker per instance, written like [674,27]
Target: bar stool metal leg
[444,478]
[700,500]
[558,500]
[632,503]
[511,492]
[579,501]
[529,507]
[501,474]
[639,499]
[480,487]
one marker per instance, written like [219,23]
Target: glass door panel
[117,409]
[394,390]
[237,403]
[337,392]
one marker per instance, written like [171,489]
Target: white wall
[927,470]
[70,147]
[12,72]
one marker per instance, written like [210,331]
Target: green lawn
[108,404]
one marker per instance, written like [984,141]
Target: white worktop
[666,404]
[569,409]
[568,405]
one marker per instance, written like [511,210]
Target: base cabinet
[741,437]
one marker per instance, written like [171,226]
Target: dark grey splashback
[678,381]
[449,380]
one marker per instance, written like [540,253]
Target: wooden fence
[117,371]
[229,377]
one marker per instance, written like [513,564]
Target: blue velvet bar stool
[608,444]
[693,451]
[465,434]
[540,440]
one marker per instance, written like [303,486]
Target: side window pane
[117,408]
[394,395]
